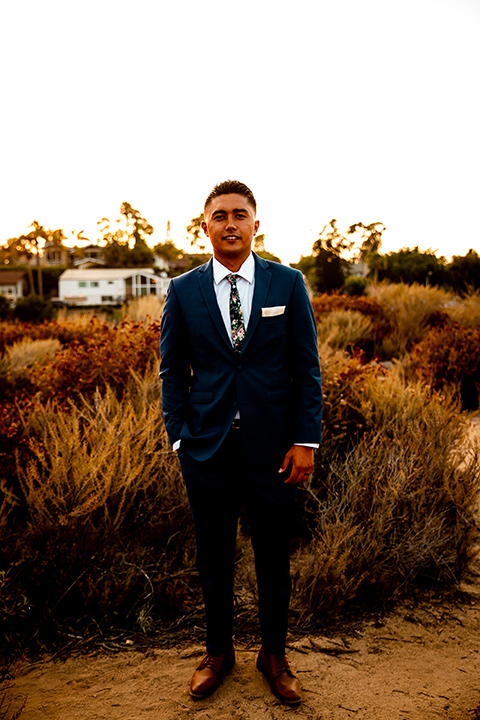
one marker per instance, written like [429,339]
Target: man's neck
[232,264]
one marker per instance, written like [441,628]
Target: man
[242,402]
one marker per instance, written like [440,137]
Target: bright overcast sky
[359,110]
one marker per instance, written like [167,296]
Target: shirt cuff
[315,446]
[176,445]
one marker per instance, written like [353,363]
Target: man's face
[231,226]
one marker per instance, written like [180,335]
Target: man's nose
[231,223]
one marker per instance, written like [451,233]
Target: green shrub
[33,309]
[354,286]
[4,307]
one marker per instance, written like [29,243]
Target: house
[107,286]
[55,253]
[92,256]
[13,284]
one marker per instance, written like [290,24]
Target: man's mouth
[231,237]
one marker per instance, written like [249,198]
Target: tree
[371,236]
[413,266]
[259,248]
[369,250]
[118,251]
[27,246]
[306,265]
[464,272]
[195,231]
[168,250]
[329,266]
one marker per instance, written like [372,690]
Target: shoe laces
[279,666]
[213,662]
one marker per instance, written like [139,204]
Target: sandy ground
[423,663]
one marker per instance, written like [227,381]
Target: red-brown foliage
[448,355]
[367,306]
[100,359]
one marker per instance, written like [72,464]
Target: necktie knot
[236,315]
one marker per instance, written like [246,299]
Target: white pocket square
[271,311]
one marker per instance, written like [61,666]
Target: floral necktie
[236,316]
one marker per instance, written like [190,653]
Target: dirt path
[422,664]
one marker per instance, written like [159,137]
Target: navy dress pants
[217,489]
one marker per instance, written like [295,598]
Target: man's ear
[204,227]
[256,226]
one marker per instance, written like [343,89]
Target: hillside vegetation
[95,529]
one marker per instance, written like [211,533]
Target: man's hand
[300,458]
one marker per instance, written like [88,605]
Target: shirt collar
[247,270]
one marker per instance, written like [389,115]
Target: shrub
[324,305]
[95,530]
[29,353]
[354,286]
[465,311]
[449,358]
[105,527]
[4,307]
[410,310]
[392,510]
[33,309]
[369,306]
[342,329]
[144,309]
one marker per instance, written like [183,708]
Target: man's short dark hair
[232,187]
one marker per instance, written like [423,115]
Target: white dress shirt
[245,285]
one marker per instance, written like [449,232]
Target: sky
[358,110]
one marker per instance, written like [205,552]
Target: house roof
[7,277]
[104,273]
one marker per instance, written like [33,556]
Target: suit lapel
[205,278]
[262,285]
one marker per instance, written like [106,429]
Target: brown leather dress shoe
[283,682]
[209,674]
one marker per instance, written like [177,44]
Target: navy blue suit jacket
[274,382]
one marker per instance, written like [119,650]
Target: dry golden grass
[104,517]
[81,316]
[343,328]
[408,309]
[145,309]
[99,530]
[465,311]
[28,353]
[394,511]
[95,460]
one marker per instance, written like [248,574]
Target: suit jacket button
[239,367]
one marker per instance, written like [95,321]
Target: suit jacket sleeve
[305,367]
[175,369]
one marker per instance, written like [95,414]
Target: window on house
[93,283]
[82,284]
[107,298]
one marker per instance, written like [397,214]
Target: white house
[12,284]
[106,286]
